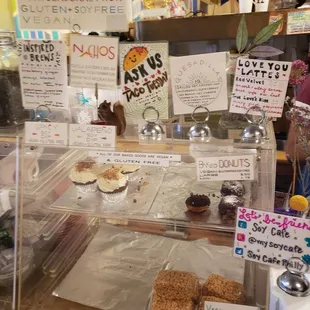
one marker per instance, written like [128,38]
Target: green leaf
[267,32]
[242,35]
[265,51]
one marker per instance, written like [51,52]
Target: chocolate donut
[235,188]
[197,203]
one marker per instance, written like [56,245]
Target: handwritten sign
[262,83]
[270,238]
[43,73]
[211,305]
[143,159]
[92,135]
[144,78]
[93,60]
[298,22]
[199,80]
[73,15]
[227,168]
[46,133]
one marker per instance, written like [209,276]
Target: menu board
[43,73]
[93,60]
[298,22]
[199,80]
[144,78]
[270,238]
[260,83]
[73,15]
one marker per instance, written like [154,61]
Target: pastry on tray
[131,171]
[84,175]
[228,207]
[235,188]
[223,288]
[159,303]
[172,284]
[113,185]
[197,203]
[210,298]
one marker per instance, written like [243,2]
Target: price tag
[271,239]
[211,305]
[92,135]
[143,159]
[226,168]
[46,133]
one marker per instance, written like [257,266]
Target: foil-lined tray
[117,270]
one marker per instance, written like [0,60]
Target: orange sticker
[274,17]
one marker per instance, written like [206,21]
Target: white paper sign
[260,83]
[199,80]
[144,78]
[43,73]
[270,238]
[74,15]
[211,305]
[46,133]
[226,168]
[93,60]
[92,135]
[143,159]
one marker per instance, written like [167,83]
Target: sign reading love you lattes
[144,78]
[260,83]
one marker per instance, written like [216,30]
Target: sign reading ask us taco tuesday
[100,15]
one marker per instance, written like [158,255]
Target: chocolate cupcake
[228,207]
[197,203]
[235,188]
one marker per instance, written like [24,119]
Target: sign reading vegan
[199,80]
[144,78]
[85,15]
[93,60]
[270,238]
[260,83]
[43,73]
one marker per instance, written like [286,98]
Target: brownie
[210,298]
[235,188]
[159,303]
[228,207]
[197,203]
[226,289]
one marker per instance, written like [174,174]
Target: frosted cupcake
[84,176]
[130,171]
[113,185]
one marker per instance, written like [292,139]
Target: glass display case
[105,225]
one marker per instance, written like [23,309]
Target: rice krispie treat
[159,303]
[172,284]
[229,290]
[210,298]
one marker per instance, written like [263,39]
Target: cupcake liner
[114,197]
[87,188]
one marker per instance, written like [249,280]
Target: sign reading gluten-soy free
[270,238]
[229,168]
[260,83]
[68,15]
[93,60]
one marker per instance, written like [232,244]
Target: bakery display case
[139,225]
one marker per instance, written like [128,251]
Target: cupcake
[113,185]
[235,188]
[228,207]
[197,203]
[130,171]
[84,176]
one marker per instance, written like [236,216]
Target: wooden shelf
[204,28]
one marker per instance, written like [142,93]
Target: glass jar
[12,112]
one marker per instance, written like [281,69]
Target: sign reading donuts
[229,168]
[93,60]
[144,78]
[62,14]
[270,238]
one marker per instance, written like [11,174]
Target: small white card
[92,135]
[46,133]
[143,159]
[225,168]
[211,305]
